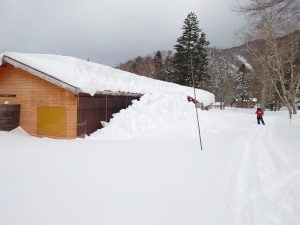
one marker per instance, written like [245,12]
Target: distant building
[245,104]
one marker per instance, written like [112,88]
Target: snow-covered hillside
[246,175]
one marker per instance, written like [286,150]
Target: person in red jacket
[259,113]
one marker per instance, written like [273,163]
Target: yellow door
[51,121]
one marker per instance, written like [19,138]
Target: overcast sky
[110,31]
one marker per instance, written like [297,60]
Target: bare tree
[221,68]
[275,22]
[255,6]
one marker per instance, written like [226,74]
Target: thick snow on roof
[91,77]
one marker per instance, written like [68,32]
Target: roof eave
[112,93]
[41,75]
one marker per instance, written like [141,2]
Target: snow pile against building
[158,115]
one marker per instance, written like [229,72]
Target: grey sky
[109,31]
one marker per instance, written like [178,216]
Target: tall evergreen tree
[158,65]
[242,92]
[169,74]
[164,66]
[191,54]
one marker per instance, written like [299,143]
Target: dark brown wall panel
[9,117]
[93,110]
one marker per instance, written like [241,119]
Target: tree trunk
[263,95]
[294,106]
[289,107]
[290,113]
[277,105]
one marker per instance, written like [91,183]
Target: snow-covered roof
[81,76]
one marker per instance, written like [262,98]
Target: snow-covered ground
[148,169]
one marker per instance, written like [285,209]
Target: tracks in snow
[264,184]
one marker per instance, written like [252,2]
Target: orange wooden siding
[33,92]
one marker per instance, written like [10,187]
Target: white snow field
[146,168]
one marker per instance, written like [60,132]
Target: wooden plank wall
[94,109]
[32,92]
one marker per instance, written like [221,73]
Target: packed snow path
[265,183]
[246,175]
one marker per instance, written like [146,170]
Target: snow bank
[154,115]
[92,77]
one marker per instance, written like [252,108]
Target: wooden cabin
[50,107]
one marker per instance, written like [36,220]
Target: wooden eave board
[42,75]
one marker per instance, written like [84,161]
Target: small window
[8,95]
[51,121]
